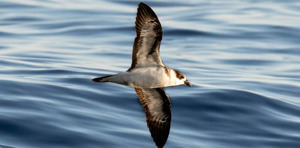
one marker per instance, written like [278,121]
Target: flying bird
[148,75]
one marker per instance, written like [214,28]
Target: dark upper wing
[148,38]
[158,113]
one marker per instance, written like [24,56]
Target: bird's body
[148,75]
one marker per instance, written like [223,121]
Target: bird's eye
[181,77]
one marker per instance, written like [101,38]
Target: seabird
[148,75]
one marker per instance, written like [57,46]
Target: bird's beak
[187,83]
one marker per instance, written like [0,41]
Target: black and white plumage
[148,75]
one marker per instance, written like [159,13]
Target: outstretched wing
[158,113]
[148,37]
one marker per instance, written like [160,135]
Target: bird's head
[181,79]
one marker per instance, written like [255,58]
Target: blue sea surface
[242,57]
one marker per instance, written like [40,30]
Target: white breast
[149,77]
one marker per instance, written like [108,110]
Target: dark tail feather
[101,79]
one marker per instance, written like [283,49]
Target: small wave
[94,31]
[224,110]
[249,62]
[5,146]
[152,3]
[58,25]
[10,5]
[22,19]
[187,32]
[6,34]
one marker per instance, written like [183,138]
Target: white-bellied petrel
[148,75]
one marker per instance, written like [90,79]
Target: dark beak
[187,83]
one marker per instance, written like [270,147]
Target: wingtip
[142,4]
[144,9]
[144,14]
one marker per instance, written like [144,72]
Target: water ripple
[242,58]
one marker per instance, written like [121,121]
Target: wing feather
[157,107]
[148,38]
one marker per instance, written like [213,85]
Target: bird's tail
[103,79]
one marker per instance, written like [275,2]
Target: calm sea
[242,56]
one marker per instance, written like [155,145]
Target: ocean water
[242,56]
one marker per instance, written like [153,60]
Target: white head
[181,79]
